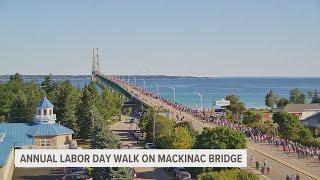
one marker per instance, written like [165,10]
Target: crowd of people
[254,135]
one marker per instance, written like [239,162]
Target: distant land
[5,77]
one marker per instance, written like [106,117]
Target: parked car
[176,170]
[132,120]
[75,177]
[150,146]
[183,175]
[137,134]
[71,170]
[170,169]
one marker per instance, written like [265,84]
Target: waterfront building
[302,111]
[42,133]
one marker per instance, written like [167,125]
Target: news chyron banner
[131,158]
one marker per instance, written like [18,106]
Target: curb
[281,162]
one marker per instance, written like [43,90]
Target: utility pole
[174,93]
[154,128]
[144,83]
[200,98]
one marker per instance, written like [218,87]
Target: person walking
[297,177]
[257,164]
[262,169]
[264,162]
[252,159]
[287,178]
[268,170]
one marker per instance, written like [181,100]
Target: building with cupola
[42,133]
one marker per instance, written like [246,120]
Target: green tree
[121,173]
[67,100]
[251,117]
[85,114]
[181,139]
[314,96]
[297,97]
[282,102]
[33,95]
[227,174]
[6,99]
[17,77]
[146,117]
[220,138]
[48,84]
[271,99]
[187,124]
[110,104]
[305,134]
[163,128]
[289,125]
[236,106]
[102,138]
[93,92]
[19,108]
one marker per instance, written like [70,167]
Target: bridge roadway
[280,163]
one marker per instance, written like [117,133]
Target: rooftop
[299,107]
[45,103]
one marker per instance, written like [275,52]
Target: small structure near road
[43,133]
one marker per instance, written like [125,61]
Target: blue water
[251,90]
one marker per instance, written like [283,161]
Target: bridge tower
[95,62]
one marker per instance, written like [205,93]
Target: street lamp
[144,83]
[174,93]
[157,87]
[200,98]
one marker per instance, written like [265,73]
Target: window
[45,142]
[44,112]
[50,112]
[39,112]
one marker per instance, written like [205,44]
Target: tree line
[295,97]
[84,110]
[74,106]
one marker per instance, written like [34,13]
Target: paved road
[36,174]
[121,130]
[279,163]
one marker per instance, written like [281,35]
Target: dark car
[183,175]
[75,177]
[176,170]
[74,169]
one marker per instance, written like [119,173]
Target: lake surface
[251,90]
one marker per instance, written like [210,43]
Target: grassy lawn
[260,111]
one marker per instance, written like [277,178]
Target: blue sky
[172,37]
